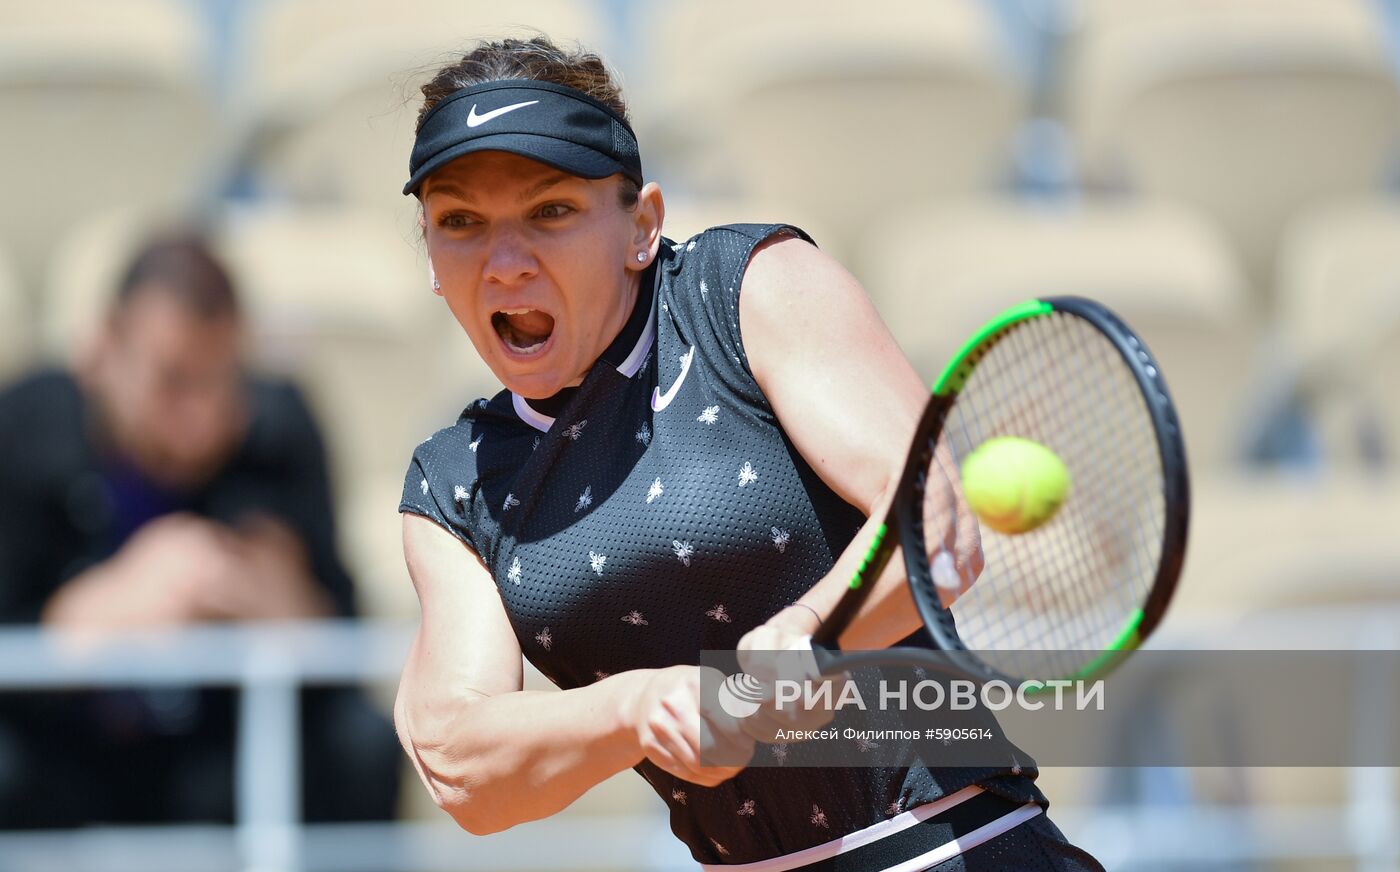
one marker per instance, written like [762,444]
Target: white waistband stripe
[984,833]
[851,841]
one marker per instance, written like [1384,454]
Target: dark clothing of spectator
[161,755]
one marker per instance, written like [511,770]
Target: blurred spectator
[160,485]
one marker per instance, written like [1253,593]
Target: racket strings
[1049,600]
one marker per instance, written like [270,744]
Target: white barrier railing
[268,663]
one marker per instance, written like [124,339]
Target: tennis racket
[1069,598]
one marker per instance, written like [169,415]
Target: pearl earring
[641,257]
[436,286]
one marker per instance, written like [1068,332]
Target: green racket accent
[1126,641]
[960,367]
[871,554]
[1123,644]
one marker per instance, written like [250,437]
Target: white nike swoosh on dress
[475,120]
[659,400]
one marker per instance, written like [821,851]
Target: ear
[433,279]
[647,219]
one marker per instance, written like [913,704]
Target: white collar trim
[529,415]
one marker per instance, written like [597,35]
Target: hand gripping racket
[1070,597]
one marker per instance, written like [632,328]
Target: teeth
[516,311]
[527,350]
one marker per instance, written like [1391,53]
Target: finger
[683,754]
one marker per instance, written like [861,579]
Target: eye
[454,220]
[553,210]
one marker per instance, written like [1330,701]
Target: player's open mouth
[523,331]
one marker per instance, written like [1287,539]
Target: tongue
[526,330]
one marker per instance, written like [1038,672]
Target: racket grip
[825,657]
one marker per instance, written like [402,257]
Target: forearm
[93,597]
[888,613]
[494,762]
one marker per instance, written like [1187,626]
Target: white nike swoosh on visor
[659,400]
[475,120]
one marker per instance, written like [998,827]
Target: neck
[629,326]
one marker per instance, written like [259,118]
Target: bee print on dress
[475,443]
[893,809]
[781,538]
[574,431]
[747,809]
[723,851]
[635,618]
[704,290]
[644,434]
[655,491]
[513,574]
[719,614]
[710,415]
[459,494]
[599,675]
[683,551]
[509,503]
[545,639]
[597,560]
[863,744]
[585,499]
[423,486]
[780,752]
[678,795]
[818,818]
[747,475]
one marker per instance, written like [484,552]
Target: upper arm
[465,647]
[837,381]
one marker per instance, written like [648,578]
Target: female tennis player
[691,439]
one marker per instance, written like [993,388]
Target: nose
[510,258]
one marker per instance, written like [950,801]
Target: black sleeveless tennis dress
[658,510]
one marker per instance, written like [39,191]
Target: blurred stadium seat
[843,110]
[937,274]
[102,104]
[1339,302]
[1249,110]
[333,84]
[1261,542]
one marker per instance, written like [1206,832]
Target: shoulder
[703,275]
[445,473]
[728,246]
[485,417]
[41,422]
[39,397]
[282,426]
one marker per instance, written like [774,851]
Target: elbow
[478,825]
[454,788]
[451,781]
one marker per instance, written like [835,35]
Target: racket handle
[826,658]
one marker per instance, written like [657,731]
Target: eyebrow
[544,184]
[534,190]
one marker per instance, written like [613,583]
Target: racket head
[1068,598]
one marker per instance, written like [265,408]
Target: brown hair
[182,267]
[538,59]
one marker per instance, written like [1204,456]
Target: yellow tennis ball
[1013,484]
